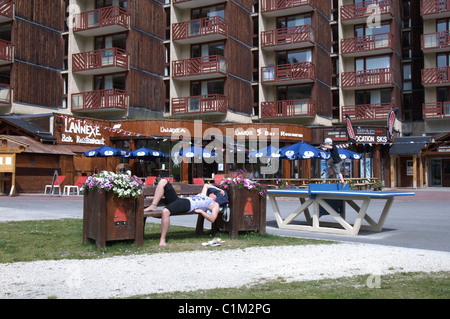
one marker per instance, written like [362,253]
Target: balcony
[436,110]
[103,61]
[277,8]
[359,12]
[5,94]
[368,79]
[367,45]
[205,67]
[288,38]
[101,21]
[435,76]
[189,4]
[288,108]
[6,10]
[436,42]
[295,73]
[367,112]
[435,9]
[6,52]
[100,100]
[200,105]
[200,30]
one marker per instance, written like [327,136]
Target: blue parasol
[346,154]
[145,152]
[302,150]
[105,151]
[195,151]
[268,151]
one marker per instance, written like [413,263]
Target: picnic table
[331,198]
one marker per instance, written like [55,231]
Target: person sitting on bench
[210,199]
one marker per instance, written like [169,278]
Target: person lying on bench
[210,199]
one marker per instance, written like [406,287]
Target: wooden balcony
[368,79]
[436,42]
[276,8]
[101,21]
[200,30]
[295,73]
[103,61]
[288,108]
[198,105]
[435,9]
[6,10]
[6,52]
[205,67]
[436,76]
[359,12]
[288,38]
[368,45]
[436,110]
[367,112]
[100,100]
[5,94]
[189,4]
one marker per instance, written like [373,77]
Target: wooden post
[392,166]
[415,171]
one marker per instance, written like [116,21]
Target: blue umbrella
[195,151]
[346,154]
[145,152]
[105,151]
[302,150]
[268,151]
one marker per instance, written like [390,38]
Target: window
[373,97]
[295,92]
[292,21]
[207,87]
[289,57]
[212,11]
[378,62]
[217,48]
[362,30]
[106,82]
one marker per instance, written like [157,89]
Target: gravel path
[209,268]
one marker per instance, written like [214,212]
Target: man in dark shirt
[335,160]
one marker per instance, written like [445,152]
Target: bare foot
[162,243]
[151,208]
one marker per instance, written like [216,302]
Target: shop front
[437,161]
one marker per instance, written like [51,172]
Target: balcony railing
[367,43]
[435,41]
[202,104]
[288,108]
[365,9]
[288,36]
[436,76]
[5,94]
[184,4]
[100,100]
[105,59]
[211,26]
[434,6]
[273,5]
[374,78]
[113,16]
[6,10]
[296,72]
[213,65]
[367,112]
[436,110]
[6,52]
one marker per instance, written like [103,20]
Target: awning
[411,145]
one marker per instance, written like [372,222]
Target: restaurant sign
[80,132]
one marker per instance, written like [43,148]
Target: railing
[436,40]
[7,8]
[366,43]
[289,35]
[5,94]
[434,6]
[365,9]
[436,110]
[437,75]
[100,99]
[102,17]
[199,27]
[6,50]
[272,5]
[367,77]
[367,112]
[211,103]
[288,108]
[97,59]
[198,66]
[288,72]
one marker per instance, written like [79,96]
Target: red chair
[199,181]
[218,178]
[150,180]
[170,179]
[76,186]
[56,183]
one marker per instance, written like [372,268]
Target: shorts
[175,205]
[335,166]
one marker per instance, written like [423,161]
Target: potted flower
[242,183]
[113,208]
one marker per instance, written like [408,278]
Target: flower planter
[106,217]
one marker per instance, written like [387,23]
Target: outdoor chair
[218,178]
[150,180]
[76,186]
[199,181]
[56,184]
[170,179]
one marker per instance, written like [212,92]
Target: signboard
[370,135]
[75,131]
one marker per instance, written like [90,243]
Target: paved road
[421,221]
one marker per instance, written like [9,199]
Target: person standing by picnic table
[335,161]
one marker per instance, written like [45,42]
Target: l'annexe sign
[76,131]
